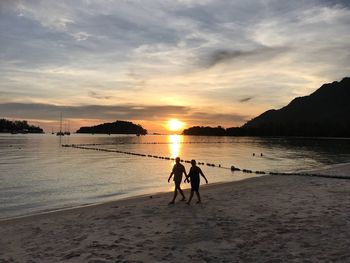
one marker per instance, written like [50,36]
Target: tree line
[18,127]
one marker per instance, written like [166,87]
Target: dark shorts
[177,179]
[177,182]
[195,185]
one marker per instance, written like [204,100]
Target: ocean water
[37,174]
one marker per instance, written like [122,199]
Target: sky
[208,62]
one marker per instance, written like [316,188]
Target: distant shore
[268,218]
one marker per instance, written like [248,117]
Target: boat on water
[67,132]
[60,133]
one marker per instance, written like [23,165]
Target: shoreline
[107,203]
[333,170]
[261,219]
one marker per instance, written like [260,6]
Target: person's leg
[189,200]
[175,194]
[198,196]
[182,193]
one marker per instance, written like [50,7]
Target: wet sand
[264,219]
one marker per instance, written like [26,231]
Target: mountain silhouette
[117,127]
[325,112]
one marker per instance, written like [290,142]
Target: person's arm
[202,174]
[171,174]
[186,179]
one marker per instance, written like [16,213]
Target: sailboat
[67,132]
[60,133]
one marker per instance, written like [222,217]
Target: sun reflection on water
[175,145]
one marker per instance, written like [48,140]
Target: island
[7,126]
[324,113]
[205,131]
[117,127]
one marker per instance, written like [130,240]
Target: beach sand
[264,219]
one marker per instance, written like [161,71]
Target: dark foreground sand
[265,219]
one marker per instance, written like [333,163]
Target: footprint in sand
[81,238]
[71,254]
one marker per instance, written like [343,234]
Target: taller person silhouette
[177,171]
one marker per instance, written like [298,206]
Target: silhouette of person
[177,171]
[194,173]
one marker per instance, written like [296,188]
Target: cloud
[154,114]
[344,3]
[98,96]
[110,112]
[80,36]
[6,5]
[205,118]
[245,99]
[226,56]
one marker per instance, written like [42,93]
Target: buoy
[233,168]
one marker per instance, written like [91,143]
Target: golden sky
[202,62]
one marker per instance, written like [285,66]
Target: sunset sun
[175,125]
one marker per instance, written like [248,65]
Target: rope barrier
[149,143]
[232,168]
[80,146]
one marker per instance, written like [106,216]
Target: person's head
[193,162]
[177,159]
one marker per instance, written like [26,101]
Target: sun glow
[175,125]
[175,145]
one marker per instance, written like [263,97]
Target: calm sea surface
[37,174]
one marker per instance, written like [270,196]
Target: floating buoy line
[127,143]
[232,168]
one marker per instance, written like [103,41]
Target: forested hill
[117,127]
[325,112]
[7,126]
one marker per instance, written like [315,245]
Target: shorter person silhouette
[177,171]
[194,173]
